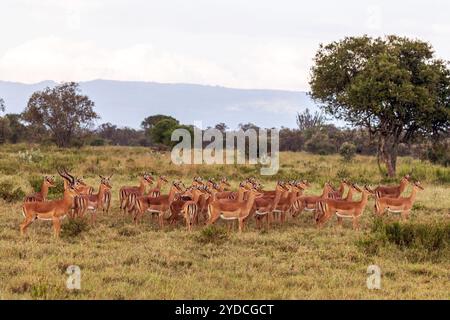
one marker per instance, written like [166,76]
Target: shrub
[212,234]
[347,151]
[9,194]
[74,228]
[426,241]
[98,142]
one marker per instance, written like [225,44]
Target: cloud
[270,65]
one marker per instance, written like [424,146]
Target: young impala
[146,180]
[397,205]
[392,191]
[40,196]
[338,194]
[326,208]
[51,210]
[92,202]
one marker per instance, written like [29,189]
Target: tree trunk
[387,153]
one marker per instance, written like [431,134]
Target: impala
[54,210]
[40,196]
[92,202]
[308,203]
[264,206]
[338,194]
[326,208]
[393,191]
[156,191]
[286,203]
[397,205]
[190,208]
[146,179]
[159,205]
[233,210]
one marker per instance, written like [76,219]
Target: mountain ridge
[187,102]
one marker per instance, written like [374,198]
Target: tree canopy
[61,109]
[394,86]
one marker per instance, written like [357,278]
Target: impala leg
[241,225]
[339,221]
[56,226]
[93,217]
[356,223]
[24,225]
[405,215]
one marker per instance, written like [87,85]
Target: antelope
[54,210]
[156,191]
[326,208]
[308,203]
[190,208]
[400,205]
[41,196]
[338,194]
[159,205]
[285,204]
[145,180]
[107,198]
[93,202]
[393,191]
[198,181]
[265,205]
[232,210]
[83,187]
[153,193]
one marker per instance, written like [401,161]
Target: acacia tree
[393,86]
[61,109]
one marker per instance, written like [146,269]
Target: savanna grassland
[119,260]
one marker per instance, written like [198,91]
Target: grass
[293,261]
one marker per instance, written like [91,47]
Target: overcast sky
[235,43]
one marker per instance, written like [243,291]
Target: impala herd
[204,202]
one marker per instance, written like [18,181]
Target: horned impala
[41,195]
[326,208]
[93,202]
[233,210]
[54,210]
[393,191]
[400,205]
[145,180]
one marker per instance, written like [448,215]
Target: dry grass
[291,261]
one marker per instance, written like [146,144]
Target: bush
[74,228]
[347,151]
[212,234]
[426,241]
[98,142]
[9,194]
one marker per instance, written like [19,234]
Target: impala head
[147,178]
[355,187]
[329,186]
[418,185]
[245,185]
[406,178]
[105,181]
[163,179]
[81,181]
[281,186]
[72,182]
[49,181]
[179,186]
[302,184]
[224,182]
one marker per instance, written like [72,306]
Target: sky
[235,43]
